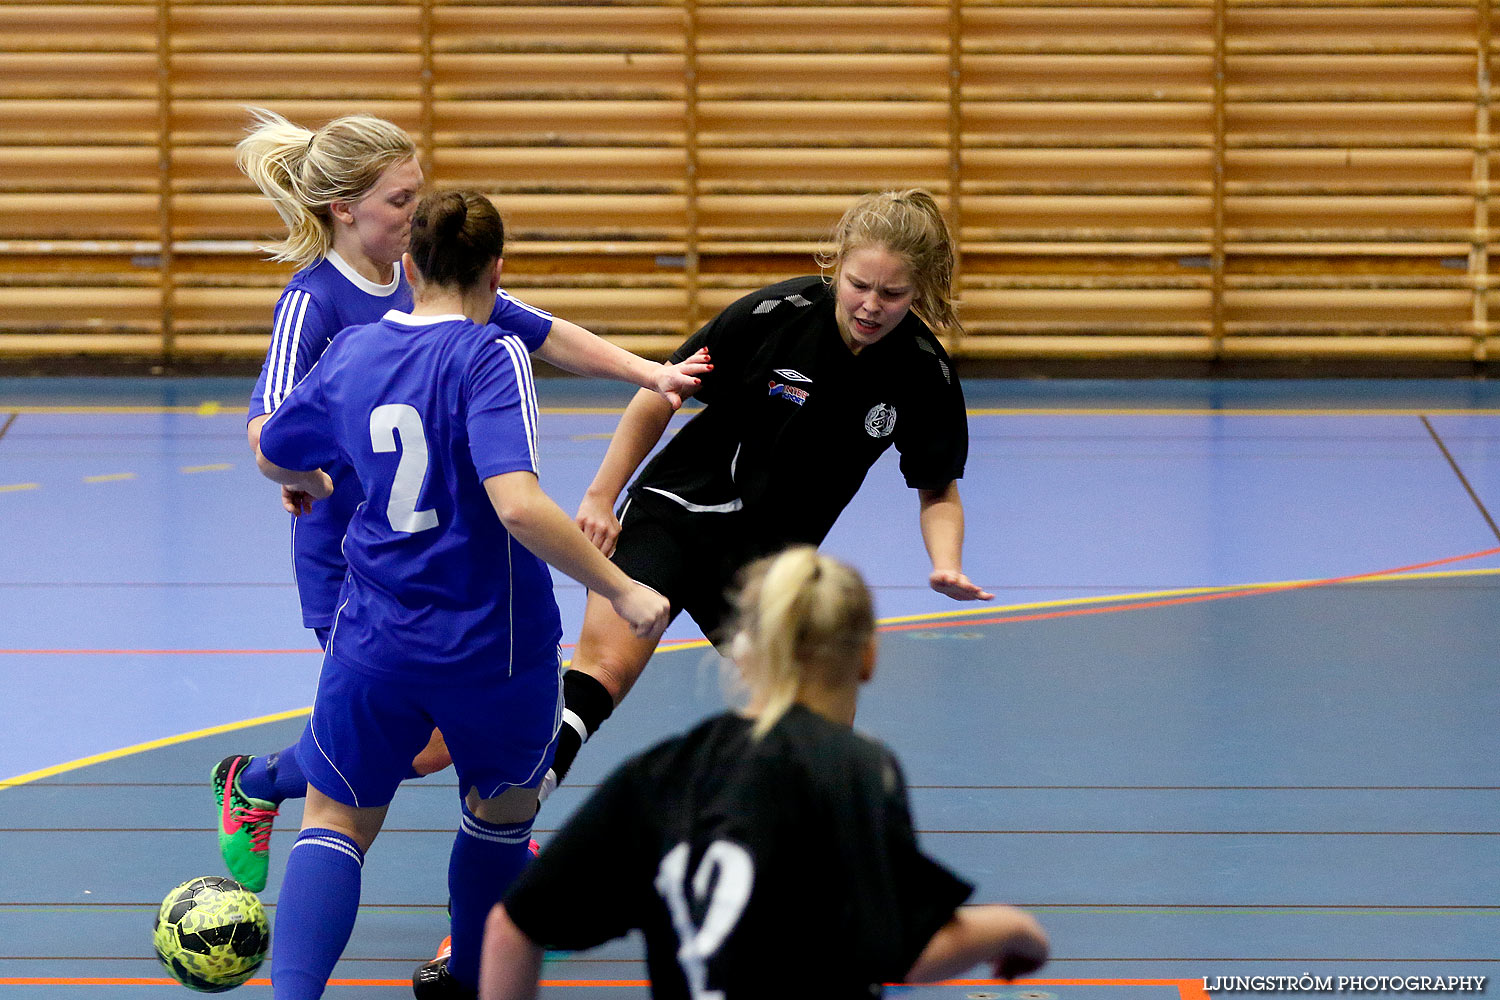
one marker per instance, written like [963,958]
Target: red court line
[664,647]
[1170,602]
[1167,602]
[1188,989]
[157,652]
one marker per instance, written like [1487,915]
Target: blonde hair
[804,619]
[910,225]
[304,171]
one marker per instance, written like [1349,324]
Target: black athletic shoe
[433,981]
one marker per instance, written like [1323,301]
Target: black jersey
[793,420]
[782,867]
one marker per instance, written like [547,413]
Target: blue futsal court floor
[1235,710]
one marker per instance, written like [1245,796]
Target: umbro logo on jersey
[792,375]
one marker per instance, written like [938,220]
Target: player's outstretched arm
[942,522]
[540,524]
[511,963]
[1008,939]
[574,349]
[643,424]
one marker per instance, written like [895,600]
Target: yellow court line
[1061,602]
[118,476]
[1435,574]
[166,741]
[101,410]
[1146,595]
[704,643]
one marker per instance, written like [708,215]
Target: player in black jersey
[768,853]
[813,379]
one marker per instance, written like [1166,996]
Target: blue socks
[315,913]
[486,859]
[274,777]
[277,777]
[320,898]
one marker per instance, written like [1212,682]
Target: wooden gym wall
[1158,178]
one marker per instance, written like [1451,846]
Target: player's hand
[1024,953]
[643,609]
[598,523]
[296,502]
[674,383]
[954,584]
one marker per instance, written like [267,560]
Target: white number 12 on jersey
[411,469]
[731,891]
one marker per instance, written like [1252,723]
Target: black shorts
[692,558]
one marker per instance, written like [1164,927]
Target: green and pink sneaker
[244,825]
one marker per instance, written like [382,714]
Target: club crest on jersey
[791,392]
[881,420]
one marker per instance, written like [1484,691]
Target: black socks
[586,704]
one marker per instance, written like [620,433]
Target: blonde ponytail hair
[303,172]
[910,225]
[804,619]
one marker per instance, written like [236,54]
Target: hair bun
[455,236]
[452,213]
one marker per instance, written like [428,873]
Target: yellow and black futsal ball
[211,934]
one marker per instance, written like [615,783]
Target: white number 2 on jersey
[731,891]
[411,469]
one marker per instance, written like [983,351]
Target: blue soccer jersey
[317,303]
[424,409]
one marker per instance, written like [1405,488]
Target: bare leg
[606,665]
[359,825]
[434,756]
[514,805]
[608,651]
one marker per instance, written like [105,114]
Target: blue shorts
[366,728]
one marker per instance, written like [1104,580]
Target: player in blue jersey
[447,617]
[346,193]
